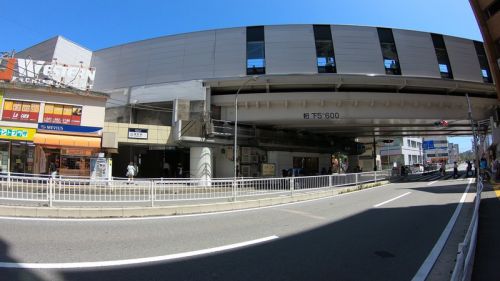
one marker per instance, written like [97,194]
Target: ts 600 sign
[321,115]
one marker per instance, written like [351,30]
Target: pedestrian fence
[84,190]
[467,249]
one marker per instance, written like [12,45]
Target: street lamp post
[235,150]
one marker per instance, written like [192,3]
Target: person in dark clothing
[469,168]
[455,170]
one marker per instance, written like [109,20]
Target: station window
[256,59]
[483,62]
[325,56]
[442,56]
[389,51]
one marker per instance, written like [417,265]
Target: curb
[128,212]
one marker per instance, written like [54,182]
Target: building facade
[402,151]
[43,124]
[303,94]
[436,149]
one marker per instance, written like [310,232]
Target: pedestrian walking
[131,171]
[53,169]
[179,170]
[455,170]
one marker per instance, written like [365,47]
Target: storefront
[17,149]
[69,147]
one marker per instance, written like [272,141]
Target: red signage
[21,111]
[62,114]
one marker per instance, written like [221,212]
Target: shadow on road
[379,244]
[12,274]
[487,256]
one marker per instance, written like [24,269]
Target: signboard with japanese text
[62,114]
[136,133]
[16,133]
[22,111]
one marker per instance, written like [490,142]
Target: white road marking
[135,261]
[305,214]
[390,200]
[429,262]
[186,216]
[432,182]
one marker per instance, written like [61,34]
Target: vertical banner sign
[62,114]
[21,111]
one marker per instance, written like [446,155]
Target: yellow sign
[16,133]
[1,96]
[268,170]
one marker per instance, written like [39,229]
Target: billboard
[46,73]
[62,114]
[23,111]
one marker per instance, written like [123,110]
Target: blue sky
[97,24]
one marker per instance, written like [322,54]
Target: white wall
[357,50]
[463,59]
[290,49]
[224,168]
[416,53]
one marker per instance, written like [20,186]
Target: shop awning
[62,140]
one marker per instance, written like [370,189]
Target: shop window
[4,156]
[483,62]
[256,59]
[325,56]
[389,51]
[22,157]
[442,56]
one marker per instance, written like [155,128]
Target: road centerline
[390,200]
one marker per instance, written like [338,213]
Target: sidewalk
[487,259]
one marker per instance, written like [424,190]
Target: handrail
[70,189]
[466,249]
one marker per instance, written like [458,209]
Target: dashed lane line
[390,200]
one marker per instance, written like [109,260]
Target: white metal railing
[69,189]
[467,249]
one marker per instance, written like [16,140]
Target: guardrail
[50,190]
[467,249]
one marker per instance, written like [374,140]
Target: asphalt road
[384,233]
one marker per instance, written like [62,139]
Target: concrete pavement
[487,257]
[340,238]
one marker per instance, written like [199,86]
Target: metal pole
[51,186]
[235,150]
[152,192]
[474,135]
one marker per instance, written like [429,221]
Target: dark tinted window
[483,62]
[442,56]
[325,56]
[389,51]
[256,59]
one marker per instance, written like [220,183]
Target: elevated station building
[307,96]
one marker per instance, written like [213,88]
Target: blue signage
[68,128]
[428,145]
